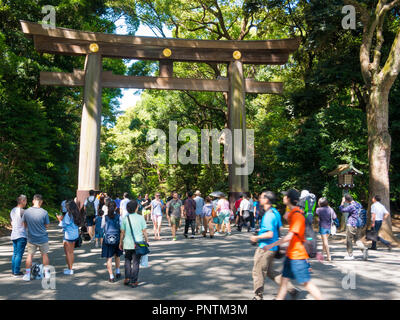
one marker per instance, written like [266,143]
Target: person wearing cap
[263,260]
[295,265]
[353,232]
[199,209]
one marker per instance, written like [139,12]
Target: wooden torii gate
[165,50]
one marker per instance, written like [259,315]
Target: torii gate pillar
[89,154]
[237,120]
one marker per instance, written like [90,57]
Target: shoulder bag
[142,247]
[333,226]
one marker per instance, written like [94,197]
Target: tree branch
[391,5]
[379,43]
[176,24]
[294,20]
[391,69]
[203,105]
[368,33]
[244,32]
[214,66]
[220,18]
[150,3]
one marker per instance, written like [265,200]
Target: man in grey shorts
[36,221]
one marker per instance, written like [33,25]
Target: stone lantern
[345,173]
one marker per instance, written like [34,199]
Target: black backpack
[90,210]
[84,234]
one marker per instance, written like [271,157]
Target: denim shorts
[99,234]
[324,230]
[296,269]
[70,241]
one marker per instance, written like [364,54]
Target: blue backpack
[112,231]
[361,217]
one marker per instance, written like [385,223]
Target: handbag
[142,247]
[111,239]
[333,226]
[372,235]
[78,242]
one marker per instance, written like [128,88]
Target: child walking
[111,224]
[99,231]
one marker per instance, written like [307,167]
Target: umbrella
[217,194]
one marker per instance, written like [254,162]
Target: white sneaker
[27,277]
[349,257]
[68,271]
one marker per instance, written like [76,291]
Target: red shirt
[237,203]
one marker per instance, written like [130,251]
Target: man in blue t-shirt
[36,221]
[270,224]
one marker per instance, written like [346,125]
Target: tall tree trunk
[379,146]
[378,80]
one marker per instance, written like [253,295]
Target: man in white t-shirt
[246,214]
[378,214]
[18,235]
[123,204]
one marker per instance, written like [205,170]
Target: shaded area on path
[200,268]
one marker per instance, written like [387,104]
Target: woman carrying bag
[133,232]
[327,217]
[70,223]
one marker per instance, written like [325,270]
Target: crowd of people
[119,227]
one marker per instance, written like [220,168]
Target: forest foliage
[300,136]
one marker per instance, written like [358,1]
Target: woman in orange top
[295,265]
